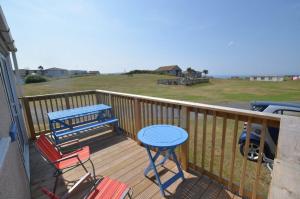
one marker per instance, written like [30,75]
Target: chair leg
[55,184]
[130,193]
[93,167]
[83,166]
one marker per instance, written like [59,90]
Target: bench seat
[84,127]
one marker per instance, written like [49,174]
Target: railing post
[286,169]
[67,106]
[98,99]
[137,117]
[29,118]
[184,148]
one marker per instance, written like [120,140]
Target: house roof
[167,68]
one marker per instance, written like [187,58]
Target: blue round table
[164,138]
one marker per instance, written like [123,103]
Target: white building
[56,72]
[267,78]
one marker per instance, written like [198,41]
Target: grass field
[217,91]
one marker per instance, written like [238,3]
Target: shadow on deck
[121,158]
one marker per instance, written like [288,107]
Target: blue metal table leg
[153,159]
[152,166]
[52,129]
[177,164]
[166,157]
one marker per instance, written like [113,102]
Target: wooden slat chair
[104,188]
[60,161]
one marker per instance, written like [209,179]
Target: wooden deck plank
[212,191]
[122,158]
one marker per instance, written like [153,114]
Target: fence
[212,148]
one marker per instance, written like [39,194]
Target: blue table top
[77,112]
[162,136]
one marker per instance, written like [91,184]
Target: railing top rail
[217,108]
[207,107]
[57,94]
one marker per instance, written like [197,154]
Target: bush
[35,79]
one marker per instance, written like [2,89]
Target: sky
[232,37]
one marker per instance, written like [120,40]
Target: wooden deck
[122,158]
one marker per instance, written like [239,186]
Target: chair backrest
[48,150]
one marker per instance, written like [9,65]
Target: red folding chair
[104,188]
[60,161]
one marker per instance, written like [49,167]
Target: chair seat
[83,154]
[109,189]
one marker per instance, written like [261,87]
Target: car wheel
[253,150]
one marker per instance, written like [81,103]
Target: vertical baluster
[126,115]
[61,102]
[172,115]
[184,148]
[152,113]
[120,112]
[213,140]
[26,103]
[167,113]
[259,161]
[223,146]
[47,109]
[137,115]
[129,117]
[144,114]
[245,158]
[195,137]
[156,111]
[161,113]
[132,118]
[233,150]
[42,113]
[148,113]
[179,112]
[123,115]
[36,116]
[204,138]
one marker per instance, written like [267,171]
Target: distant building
[56,72]
[95,72]
[170,70]
[24,72]
[267,78]
[77,72]
[296,77]
[191,73]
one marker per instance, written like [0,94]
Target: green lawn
[217,91]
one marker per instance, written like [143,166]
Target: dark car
[272,133]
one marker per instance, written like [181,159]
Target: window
[259,108]
[294,113]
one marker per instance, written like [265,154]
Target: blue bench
[102,112]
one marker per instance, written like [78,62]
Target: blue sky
[225,37]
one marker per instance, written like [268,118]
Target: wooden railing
[212,148]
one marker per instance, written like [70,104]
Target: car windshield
[259,108]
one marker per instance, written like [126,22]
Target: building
[77,72]
[94,72]
[191,73]
[24,72]
[14,150]
[267,78]
[55,72]
[170,70]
